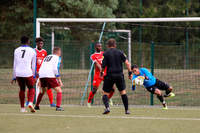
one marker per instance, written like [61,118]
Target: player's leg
[159,95]
[120,83]
[164,86]
[39,98]
[107,86]
[50,95]
[59,99]
[110,95]
[30,83]
[91,95]
[27,96]
[96,83]
[22,85]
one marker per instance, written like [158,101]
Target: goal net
[168,47]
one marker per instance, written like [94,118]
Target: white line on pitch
[105,117]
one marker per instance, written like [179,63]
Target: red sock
[91,95]
[58,99]
[111,94]
[27,92]
[31,95]
[50,95]
[39,98]
[22,98]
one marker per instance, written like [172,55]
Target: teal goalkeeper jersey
[150,79]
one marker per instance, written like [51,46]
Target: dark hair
[24,39]
[39,39]
[97,44]
[134,66]
[55,49]
[111,42]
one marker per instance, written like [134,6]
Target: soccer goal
[168,47]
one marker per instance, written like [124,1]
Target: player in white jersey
[24,69]
[50,77]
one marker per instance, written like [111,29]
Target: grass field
[77,119]
[185,83]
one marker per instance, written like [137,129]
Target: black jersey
[113,60]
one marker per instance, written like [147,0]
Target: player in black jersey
[113,60]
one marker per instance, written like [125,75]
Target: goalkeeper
[152,84]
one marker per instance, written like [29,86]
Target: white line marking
[104,117]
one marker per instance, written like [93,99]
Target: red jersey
[97,57]
[41,54]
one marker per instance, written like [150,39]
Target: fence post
[186,37]
[152,70]
[92,74]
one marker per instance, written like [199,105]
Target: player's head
[57,51]
[98,47]
[39,42]
[135,69]
[25,40]
[111,43]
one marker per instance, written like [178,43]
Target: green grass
[185,83]
[84,120]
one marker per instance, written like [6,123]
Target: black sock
[105,101]
[125,101]
[161,99]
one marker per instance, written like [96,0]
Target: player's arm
[98,65]
[133,83]
[14,70]
[34,65]
[104,64]
[57,70]
[95,62]
[128,65]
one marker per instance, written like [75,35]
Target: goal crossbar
[175,19]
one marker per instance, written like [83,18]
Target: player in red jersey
[41,54]
[97,57]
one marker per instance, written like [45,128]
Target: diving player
[152,84]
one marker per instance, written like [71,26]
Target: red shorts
[25,81]
[97,80]
[49,82]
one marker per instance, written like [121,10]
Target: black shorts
[160,85]
[109,81]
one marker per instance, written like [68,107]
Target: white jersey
[24,62]
[50,67]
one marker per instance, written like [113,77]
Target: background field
[81,119]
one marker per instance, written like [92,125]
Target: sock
[50,95]
[111,94]
[125,101]
[161,99]
[105,101]
[58,99]
[91,95]
[39,98]
[27,92]
[31,95]
[22,98]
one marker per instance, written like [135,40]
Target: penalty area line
[102,117]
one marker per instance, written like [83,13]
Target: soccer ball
[139,80]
